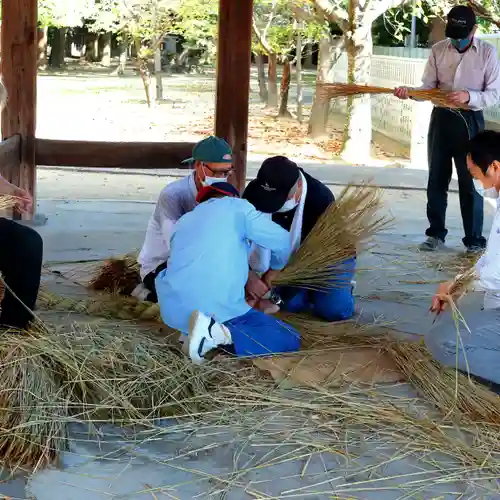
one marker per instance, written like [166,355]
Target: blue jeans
[336,304]
[259,334]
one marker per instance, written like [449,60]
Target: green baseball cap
[212,150]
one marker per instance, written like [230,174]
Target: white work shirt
[488,266]
[477,70]
[176,199]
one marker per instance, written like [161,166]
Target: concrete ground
[95,215]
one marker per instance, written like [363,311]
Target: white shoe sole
[193,341]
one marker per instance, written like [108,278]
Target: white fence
[404,121]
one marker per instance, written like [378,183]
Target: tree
[60,14]
[145,23]
[355,20]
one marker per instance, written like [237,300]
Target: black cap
[275,179]
[461,20]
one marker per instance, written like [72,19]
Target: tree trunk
[106,49]
[358,126]
[261,74]
[158,75]
[120,71]
[285,90]
[436,34]
[308,64]
[329,53]
[143,66]
[272,78]
[42,47]
[58,47]
[298,77]
[92,47]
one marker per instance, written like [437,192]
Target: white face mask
[485,193]
[289,205]
[208,181]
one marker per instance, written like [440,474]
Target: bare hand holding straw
[23,200]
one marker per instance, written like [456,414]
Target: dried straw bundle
[453,393]
[334,90]
[107,306]
[117,275]
[33,404]
[343,230]
[7,201]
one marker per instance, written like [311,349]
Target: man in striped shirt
[469,68]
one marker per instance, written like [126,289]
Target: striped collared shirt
[477,70]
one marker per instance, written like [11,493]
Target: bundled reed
[342,232]
[335,90]
[8,201]
[453,393]
[118,275]
[107,306]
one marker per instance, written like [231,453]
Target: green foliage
[197,21]
[62,13]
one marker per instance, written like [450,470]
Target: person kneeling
[474,346]
[202,291]
[295,200]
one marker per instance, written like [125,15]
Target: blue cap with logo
[211,150]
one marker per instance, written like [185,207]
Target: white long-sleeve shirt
[488,266]
[477,70]
[175,200]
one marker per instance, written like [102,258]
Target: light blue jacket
[208,263]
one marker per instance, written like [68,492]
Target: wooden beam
[94,154]
[19,39]
[233,79]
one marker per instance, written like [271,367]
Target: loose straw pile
[329,91]
[453,393]
[342,232]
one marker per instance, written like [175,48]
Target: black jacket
[318,198]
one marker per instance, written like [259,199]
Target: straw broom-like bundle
[342,232]
[107,306]
[335,90]
[8,201]
[33,406]
[117,275]
[453,393]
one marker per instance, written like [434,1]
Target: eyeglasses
[218,173]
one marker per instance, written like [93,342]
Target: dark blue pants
[449,132]
[335,304]
[259,334]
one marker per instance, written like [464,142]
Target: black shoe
[475,249]
[431,244]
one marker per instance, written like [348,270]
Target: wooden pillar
[19,67]
[233,80]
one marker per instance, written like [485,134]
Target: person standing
[469,68]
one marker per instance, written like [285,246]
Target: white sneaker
[205,334]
